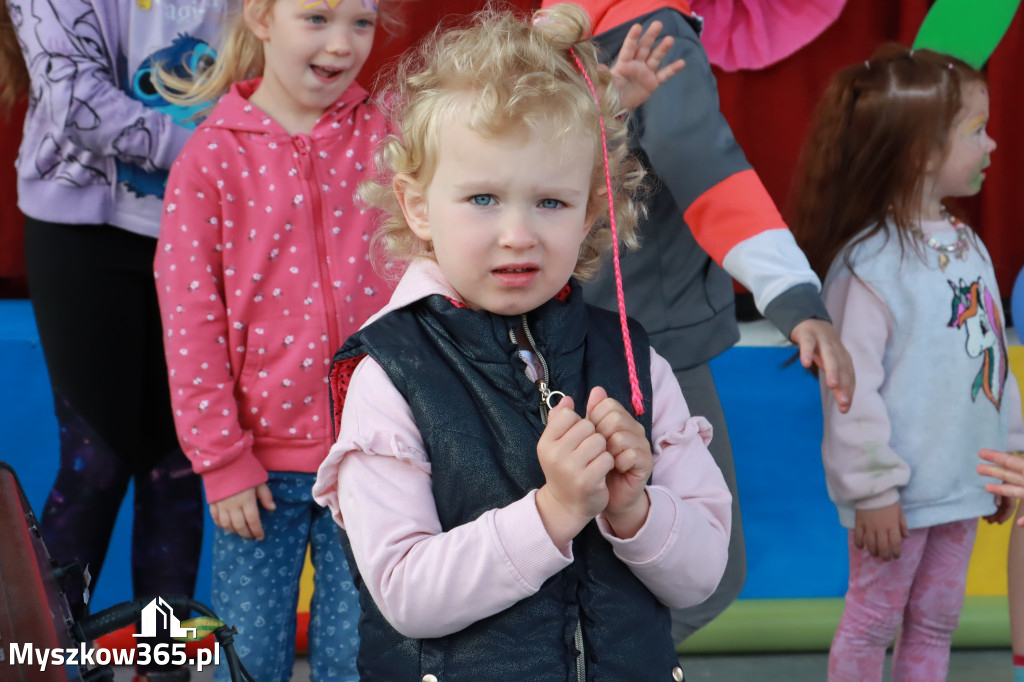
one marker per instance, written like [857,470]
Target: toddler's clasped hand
[592,465]
[627,442]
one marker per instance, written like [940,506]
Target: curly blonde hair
[240,56]
[514,74]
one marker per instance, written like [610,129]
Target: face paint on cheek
[978,176]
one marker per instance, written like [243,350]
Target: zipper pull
[546,394]
[305,161]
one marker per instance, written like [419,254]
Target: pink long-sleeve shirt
[429,583]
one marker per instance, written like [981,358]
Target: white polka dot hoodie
[263,269]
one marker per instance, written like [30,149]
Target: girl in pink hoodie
[263,269]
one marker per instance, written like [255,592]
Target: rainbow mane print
[976,312]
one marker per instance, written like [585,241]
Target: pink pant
[923,590]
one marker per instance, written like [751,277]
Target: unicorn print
[975,311]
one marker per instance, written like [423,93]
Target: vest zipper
[546,394]
[581,664]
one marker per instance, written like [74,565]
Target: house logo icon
[159,609]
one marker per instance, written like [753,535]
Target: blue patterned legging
[256,588]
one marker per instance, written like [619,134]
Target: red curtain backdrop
[12,233]
[767,109]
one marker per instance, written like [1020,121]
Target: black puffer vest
[480,417]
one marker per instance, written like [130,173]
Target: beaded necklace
[957,249]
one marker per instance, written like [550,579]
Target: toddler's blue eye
[550,203]
[482,199]
[318,19]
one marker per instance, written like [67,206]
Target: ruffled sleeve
[754,34]
[383,426]
[681,550]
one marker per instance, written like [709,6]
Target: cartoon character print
[63,90]
[975,311]
[184,57]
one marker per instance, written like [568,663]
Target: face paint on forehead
[314,4]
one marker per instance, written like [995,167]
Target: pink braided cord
[634,382]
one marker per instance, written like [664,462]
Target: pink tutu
[753,34]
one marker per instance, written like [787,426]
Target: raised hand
[637,71]
[575,463]
[627,442]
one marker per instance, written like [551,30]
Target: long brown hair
[13,74]
[877,126]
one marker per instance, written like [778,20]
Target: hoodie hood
[235,112]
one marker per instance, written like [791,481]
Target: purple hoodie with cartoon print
[98,139]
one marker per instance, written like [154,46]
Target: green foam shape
[970,33]
[775,625]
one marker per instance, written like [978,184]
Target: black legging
[95,305]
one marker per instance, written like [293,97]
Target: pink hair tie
[634,382]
